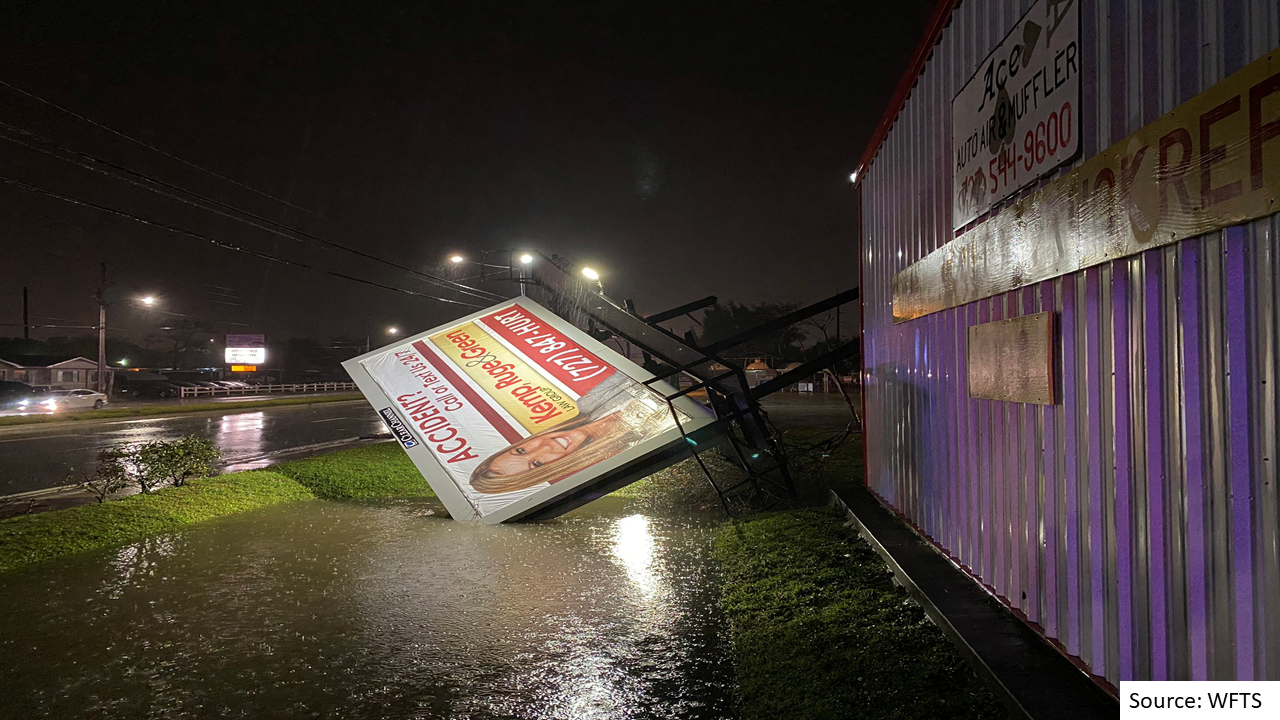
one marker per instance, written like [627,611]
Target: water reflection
[355,611]
[240,435]
[633,547]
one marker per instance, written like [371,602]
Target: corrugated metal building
[1135,521]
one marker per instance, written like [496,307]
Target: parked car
[74,399]
[18,396]
[153,389]
[227,384]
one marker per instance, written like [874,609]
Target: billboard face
[509,409]
[246,350]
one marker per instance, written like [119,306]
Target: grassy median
[158,410]
[819,630]
[371,471]
[33,538]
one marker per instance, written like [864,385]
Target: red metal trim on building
[933,33]
[862,336]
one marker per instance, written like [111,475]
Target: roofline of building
[73,359]
[933,32]
[53,365]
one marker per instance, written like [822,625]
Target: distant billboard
[246,350]
[512,409]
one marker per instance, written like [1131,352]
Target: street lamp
[393,330]
[590,274]
[516,265]
[148,300]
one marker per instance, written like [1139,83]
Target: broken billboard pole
[753,443]
[516,413]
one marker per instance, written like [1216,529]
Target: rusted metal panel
[1012,359]
[1152,522]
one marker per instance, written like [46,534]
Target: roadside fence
[268,389]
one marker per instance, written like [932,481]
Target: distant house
[758,371]
[55,371]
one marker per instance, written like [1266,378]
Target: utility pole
[102,331]
[26,315]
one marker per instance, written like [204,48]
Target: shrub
[178,461]
[152,465]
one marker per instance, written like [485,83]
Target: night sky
[684,149]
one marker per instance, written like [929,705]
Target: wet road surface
[44,455]
[825,411]
[342,610]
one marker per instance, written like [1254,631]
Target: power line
[223,244]
[54,149]
[153,148]
[34,325]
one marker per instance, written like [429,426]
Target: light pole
[100,295]
[525,261]
[101,385]
[392,330]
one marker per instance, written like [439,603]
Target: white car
[72,399]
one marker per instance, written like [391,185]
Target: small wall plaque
[1012,359]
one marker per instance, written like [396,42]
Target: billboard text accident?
[512,409]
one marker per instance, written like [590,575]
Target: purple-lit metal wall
[1135,521]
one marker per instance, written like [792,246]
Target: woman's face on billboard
[538,450]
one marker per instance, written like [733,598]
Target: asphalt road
[33,457]
[44,455]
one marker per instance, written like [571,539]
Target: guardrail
[267,389]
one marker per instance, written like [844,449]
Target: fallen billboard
[512,409]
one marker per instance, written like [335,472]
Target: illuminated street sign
[246,350]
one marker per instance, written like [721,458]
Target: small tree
[175,462]
[151,466]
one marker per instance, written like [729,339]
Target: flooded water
[334,610]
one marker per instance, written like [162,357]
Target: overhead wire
[224,244]
[153,148]
[53,148]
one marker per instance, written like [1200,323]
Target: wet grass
[819,630]
[370,471]
[158,410]
[30,539]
